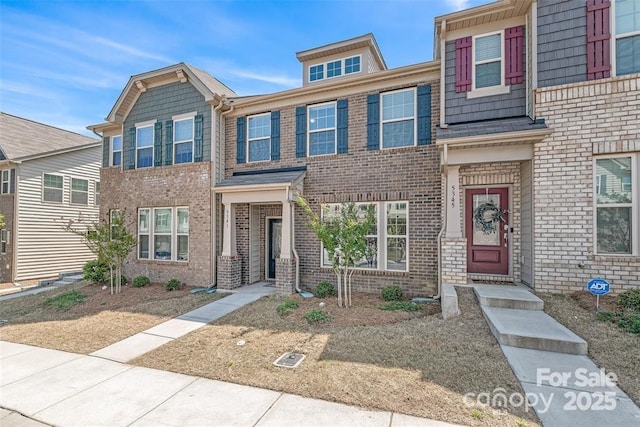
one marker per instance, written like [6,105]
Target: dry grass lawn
[101,320]
[417,365]
[610,347]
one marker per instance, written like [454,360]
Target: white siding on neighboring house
[44,248]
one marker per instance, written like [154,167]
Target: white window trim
[147,233]
[341,68]
[97,191]
[113,213]
[184,116]
[112,151]
[193,136]
[335,129]
[144,125]
[174,234]
[344,62]
[415,119]
[500,89]
[256,139]
[635,206]
[324,72]
[325,68]
[71,191]
[8,181]
[381,255]
[61,189]
[615,37]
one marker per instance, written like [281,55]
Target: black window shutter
[157,144]
[424,115]
[168,142]
[373,121]
[198,139]
[275,135]
[241,134]
[12,181]
[131,151]
[106,152]
[343,126]
[301,131]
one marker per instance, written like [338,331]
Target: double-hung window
[5,187]
[388,239]
[398,118]
[116,150]
[316,72]
[259,137]
[114,217]
[627,36]
[79,191]
[163,234]
[617,208]
[97,195]
[183,140]
[144,146]
[322,129]
[487,60]
[52,188]
[4,233]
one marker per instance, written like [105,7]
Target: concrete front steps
[68,279]
[516,319]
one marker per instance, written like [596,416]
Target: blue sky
[64,63]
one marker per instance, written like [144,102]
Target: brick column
[285,276]
[453,258]
[229,272]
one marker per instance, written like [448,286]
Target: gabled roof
[22,139]
[210,87]
[496,11]
[367,40]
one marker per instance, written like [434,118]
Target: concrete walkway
[145,341]
[66,389]
[561,383]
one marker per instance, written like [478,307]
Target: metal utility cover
[289,360]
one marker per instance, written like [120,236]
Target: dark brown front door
[487,250]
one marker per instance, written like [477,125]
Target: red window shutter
[598,39]
[513,52]
[463,64]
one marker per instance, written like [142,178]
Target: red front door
[487,241]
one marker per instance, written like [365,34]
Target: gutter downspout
[443,230]
[293,239]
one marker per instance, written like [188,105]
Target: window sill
[163,262]
[488,91]
[372,272]
[615,257]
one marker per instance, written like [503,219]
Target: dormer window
[316,72]
[335,68]
[352,65]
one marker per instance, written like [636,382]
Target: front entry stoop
[516,319]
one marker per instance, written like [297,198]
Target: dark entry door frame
[273,245]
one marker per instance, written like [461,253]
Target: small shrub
[64,302]
[325,289]
[173,285]
[96,271]
[287,307]
[630,299]
[400,305]
[141,281]
[630,323]
[606,316]
[392,293]
[317,316]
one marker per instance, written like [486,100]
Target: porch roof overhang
[493,141]
[279,185]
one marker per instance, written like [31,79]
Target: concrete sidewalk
[67,389]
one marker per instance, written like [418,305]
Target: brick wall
[589,118]
[454,261]
[6,259]
[170,186]
[410,174]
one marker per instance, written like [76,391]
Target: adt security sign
[598,286]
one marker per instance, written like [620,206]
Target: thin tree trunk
[111,279]
[339,275]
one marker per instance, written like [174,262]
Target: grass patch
[287,307]
[66,301]
[316,316]
[400,305]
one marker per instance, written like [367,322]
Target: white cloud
[128,49]
[457,4]
[284,81]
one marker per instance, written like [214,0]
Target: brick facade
[7,203]
[409,174]
[186,185]
[285,276]
[229,272]
[588,119]
[454,261]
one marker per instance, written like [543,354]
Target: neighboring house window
[316,72]
[144,146]
[5,188]
[116,150]
[114,214]
[352,65]
[487,61]
[616,200]
[627,36]
[398,118]
[183,140]
[166,230]
[322,129]
[388,241]
[259,138]
[97,192]
[3,240]
[79,191]
[52,191]
[334,69]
